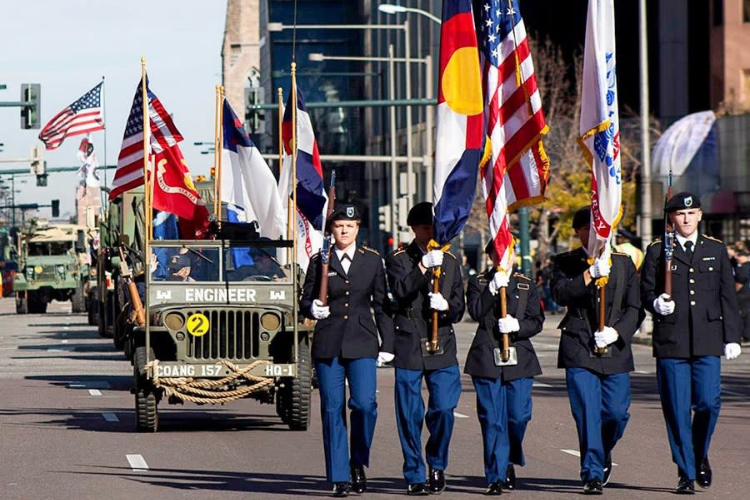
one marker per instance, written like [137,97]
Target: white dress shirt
[346,256]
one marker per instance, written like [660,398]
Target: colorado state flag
[460,123]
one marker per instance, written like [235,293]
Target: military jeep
[53,265]
[221,324]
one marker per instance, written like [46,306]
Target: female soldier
[345,347]
[503,392]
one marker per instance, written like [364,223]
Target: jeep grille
[232,335]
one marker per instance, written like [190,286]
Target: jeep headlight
[270,322]
[60,269]
[29,272]
[174,321]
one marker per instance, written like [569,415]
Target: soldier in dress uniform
[503,392]
[410,273]
[598,384]
[692,328]
[346,347]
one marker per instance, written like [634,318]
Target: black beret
[344,212]
[625,234]
[683,201]
[177,262]
[420,215]
[582,217]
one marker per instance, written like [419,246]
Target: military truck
[52,265]
[221,324]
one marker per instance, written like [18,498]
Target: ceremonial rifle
[325,252]
[139,313]
[668,239]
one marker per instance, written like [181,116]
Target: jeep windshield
[213,262]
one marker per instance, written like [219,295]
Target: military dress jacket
[412,319]
[581,319]
[350,332]
[706,314]
[485,308]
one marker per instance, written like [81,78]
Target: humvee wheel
[295,411]
[146,411]
[22,305]
[78,301]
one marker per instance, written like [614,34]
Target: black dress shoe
[417,489]
[494,489]
[359,480]
[685,486]
[437,481]
[607,470]
[593,487]
[510,478]
[341,489]
[704,474]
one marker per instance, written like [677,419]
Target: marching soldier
[598,384]
[503,392]
[410,275]
[345,348]
[692,328]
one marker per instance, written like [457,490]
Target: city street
[67,431]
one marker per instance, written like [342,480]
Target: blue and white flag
[248,186]
[600,123]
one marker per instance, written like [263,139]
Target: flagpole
[104,113]
[220,143]
[289,221]
[148,216]
[294,160]
[217,97]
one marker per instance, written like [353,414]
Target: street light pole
[646,208]
[394,167]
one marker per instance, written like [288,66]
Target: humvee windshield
[45,248]
[210,263]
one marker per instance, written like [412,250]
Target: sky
[67,46]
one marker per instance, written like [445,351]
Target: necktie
[689,249]
[346,262]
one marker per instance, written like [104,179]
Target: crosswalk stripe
[137,462]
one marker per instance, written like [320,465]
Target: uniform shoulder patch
[712,238]
[521,276]
[450,255]
[621,253]
[657,241]
[398,252]
[364,249]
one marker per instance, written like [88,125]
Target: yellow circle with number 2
[197,324]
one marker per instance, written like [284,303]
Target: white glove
[433,258]
[605,337]
[732,350]
[499,280]
[385,358]
[664,305]
[601,267]
[438,302]
[319,311]
[508,324]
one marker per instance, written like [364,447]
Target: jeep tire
[146,400]
[293,405]
[22,304]
[78,301]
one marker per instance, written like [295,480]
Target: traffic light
[31,93]
[255,118]
[384,218]
[55,208]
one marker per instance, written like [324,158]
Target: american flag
[518,171]
[81,117]
[164,134]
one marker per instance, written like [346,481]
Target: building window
[746,11]
[746,87]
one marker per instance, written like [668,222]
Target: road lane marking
[66,328]
[61,349]
[64,341]
[577,453]
[137,462]
[459,415]
[541,384]
[110,417]
[95,392]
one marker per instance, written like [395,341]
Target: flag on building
[599,127]
[460,124]
[163,133]
[311,196]
[81,117]
[517,172]
[248,186]
[89,164]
